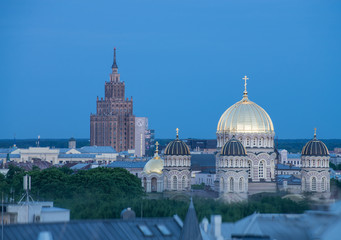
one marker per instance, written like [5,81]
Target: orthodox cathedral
[246,158]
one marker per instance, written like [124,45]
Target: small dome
[154,165]
[315,148]
[233,147]
[177,147]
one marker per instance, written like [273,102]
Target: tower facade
[114,121]
[232,171]
[315,167]
[177,166]
[253,127]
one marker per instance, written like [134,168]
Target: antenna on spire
[245,84]
[114,65]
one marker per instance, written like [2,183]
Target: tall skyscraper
[114,121]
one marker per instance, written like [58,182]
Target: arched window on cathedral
[241,184]
[249,163]
[175,183]
[261,170]
[145,184]
[184,183]
[313,184]
[318,163]
[221,189]
[323,184]
[237,163]
[231,184]
[254,141]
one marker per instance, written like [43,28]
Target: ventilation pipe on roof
[216,227]
[128,214]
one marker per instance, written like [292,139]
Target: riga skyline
[182,66]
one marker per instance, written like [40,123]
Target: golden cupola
[154,165]
[244,118]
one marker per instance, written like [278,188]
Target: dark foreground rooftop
[146,228]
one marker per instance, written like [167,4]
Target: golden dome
[245,116]
[154,165]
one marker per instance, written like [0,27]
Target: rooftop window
[163,229]
[145,230]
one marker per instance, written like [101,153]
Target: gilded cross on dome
[177,132]
[245,79]
[245,91]
[314,132]
[157,146]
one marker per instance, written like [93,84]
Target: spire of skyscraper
[114,65]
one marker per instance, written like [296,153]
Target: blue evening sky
[182,61]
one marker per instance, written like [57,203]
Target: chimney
[128,214]
[216,227]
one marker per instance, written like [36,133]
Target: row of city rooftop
[107,154]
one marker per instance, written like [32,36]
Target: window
[323,184]
[241,183]
[183,183]
[261,170]
[163,229]
[145,230]
[231,184]
[175,183]
[221,184]
[313,184]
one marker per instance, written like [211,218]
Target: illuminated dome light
[245,116]
[154,165]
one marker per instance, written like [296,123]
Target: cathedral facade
[315,167]
[247,157]
[114,121]
[172,173]
[253,128]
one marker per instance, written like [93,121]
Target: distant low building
[283,169]
[59,155]
[35,212]
[207,178]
